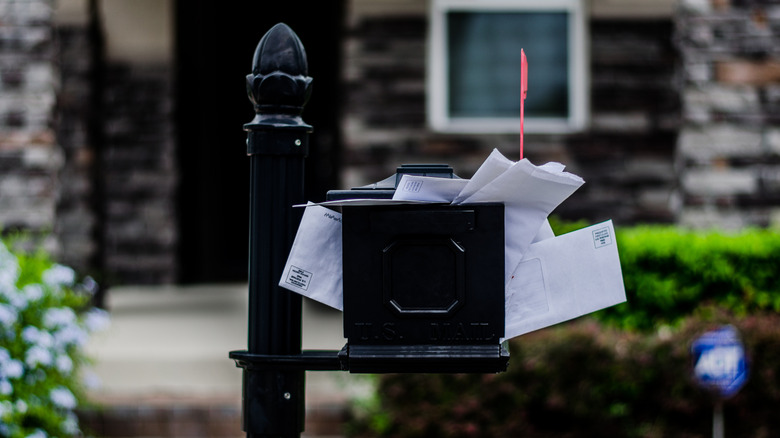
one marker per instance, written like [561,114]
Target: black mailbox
[423,283]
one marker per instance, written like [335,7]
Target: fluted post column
[277,144]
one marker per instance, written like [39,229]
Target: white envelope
[564,277]
[490,169]
[529,193]
[428,188]
[314,266]
[545,232]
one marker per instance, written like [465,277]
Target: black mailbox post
[423,284]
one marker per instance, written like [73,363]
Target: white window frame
[437,77]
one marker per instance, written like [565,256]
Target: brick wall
[196,418]
[29,155]
[729,147]
[177,419]
[626,156]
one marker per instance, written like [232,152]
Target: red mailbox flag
[523,92]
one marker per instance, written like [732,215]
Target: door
[215,43]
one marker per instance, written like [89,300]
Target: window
[474,65]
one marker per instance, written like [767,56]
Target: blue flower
[8,315]
[37,434]
[59,276]
[70,335]
[33,336]
[62,397]
[59,317]
[97,320]
[5,387]
[33,292]
[9,269]
[11,369]
[64,364]
[38,356]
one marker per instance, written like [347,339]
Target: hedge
[668,272]
[582,379]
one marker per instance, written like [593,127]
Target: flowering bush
[45,320]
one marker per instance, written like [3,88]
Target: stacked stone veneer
[29,155]
[138,175]
[76,215]
[729,145]
[96,176]
[626,155]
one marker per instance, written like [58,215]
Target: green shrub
[668,272]
[581,379]
[45,320]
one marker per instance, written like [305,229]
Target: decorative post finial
[279,84]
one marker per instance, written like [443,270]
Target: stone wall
[116,216]
[29,155]
[384,119]
[684,128]
[76,220]
[729,146]
[626,156]
[96,176]
[138,175]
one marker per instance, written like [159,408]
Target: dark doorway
[215,42]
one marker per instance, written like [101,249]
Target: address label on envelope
[564,277]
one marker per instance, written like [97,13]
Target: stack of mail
[548,279]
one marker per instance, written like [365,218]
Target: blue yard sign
[719,361]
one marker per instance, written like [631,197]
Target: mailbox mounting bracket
[309,360]
[376,359]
